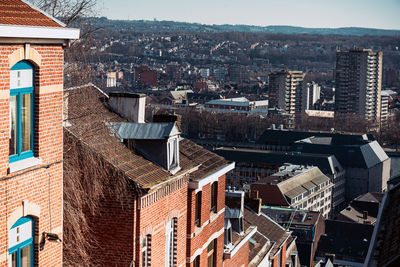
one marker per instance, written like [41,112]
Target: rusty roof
[87,113]
[17,12]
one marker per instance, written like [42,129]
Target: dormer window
[21,111]
[157,142]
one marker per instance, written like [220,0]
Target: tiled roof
[87,114]
[16,12]
[267,227]
[207,160]
[258,248]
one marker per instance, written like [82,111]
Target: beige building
[286,90]
[299,187]
[358,83]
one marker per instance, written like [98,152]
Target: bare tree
[77,14]
[68,11]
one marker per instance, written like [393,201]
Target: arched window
[20,243]
[21,111]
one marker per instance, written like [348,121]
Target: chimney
[128,105]
[168,118]
[365,214]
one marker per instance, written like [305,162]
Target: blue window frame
[21,111]
[20,251]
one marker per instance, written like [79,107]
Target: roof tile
[16,12]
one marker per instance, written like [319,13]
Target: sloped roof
[17,12]
[152,131]
[298,184]
[371,197]
[87,113]
[179,94]
[347,240]
[326,163]
[208,161]
[267,227]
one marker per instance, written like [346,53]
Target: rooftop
[347,240]
[293,183]
[87,113]
[268,228]
[17,12]
[291,217]
[328,164]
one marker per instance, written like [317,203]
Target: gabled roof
[20,19]
[17,12]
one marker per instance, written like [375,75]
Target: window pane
[13,125]
[26,257]
[210,246]
[13,260]
[26,122]
[210,260]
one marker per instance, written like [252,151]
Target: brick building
[31,160]
[299,187]
[172,211]
[306,226]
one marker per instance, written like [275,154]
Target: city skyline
[311,13]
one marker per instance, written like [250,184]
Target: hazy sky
[383,14]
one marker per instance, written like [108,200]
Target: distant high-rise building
[204,73]
[237,74]
[358,83]
[384,107]
[219,74]
[173,71]
[286,90]
[312,95]
[111,79]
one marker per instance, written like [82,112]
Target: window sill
[23,164]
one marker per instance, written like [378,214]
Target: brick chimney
[128,105]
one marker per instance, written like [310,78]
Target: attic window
[173,151]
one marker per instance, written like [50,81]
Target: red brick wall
[282,255]
[199,238]
[241,257]
[270,194]
[113,228]
[153,219]
[43,186]
[283,252]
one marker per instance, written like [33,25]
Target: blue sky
[383,14]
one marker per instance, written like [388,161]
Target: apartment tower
[286,89]
[358,83]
